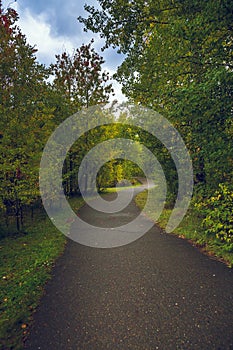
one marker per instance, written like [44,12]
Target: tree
[80,80]
[178,62]
[23,116]
[79,77]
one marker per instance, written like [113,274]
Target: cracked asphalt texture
[158,292]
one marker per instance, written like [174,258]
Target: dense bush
[218,210]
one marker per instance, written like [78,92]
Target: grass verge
[135,183]
[26,263]
[190,228]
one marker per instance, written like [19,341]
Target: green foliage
[80,79]
[26,263]
[117,172]
[191,228]
[23,116]
[80,82]
[31,108]
[219,214]
[178,61]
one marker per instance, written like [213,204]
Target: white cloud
[116,86]
[38,32]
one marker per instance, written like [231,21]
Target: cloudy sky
[53,27]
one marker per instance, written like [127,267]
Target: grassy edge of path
[191,230]
[27,261]
[26,264]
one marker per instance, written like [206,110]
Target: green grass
[114,189]
[135,183]
[190,228]
[27,260]
[26,263]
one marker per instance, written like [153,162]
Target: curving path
[158,292]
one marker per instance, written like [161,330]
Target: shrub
[218,220]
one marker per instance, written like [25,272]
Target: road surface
[158,292]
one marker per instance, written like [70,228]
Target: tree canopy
[178,62]
[31,107]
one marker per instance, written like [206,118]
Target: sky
[52,26]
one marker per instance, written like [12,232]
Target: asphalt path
[158,292]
